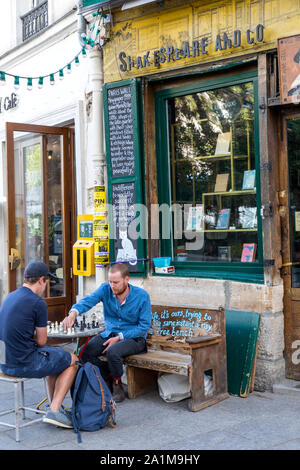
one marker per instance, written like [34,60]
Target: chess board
[79,329]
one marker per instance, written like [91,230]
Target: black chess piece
[93,324]
[81,326]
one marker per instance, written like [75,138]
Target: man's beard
[122,291]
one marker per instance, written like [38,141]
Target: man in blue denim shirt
[127,315]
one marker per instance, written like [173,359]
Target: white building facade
[48,81]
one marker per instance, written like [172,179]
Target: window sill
[231,273]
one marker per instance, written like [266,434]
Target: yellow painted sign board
[100,200]
[193,33]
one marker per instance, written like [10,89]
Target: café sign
[8,102]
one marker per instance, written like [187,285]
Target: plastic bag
[174,387]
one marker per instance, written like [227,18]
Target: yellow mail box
[83,258]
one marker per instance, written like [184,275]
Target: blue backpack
[93,405]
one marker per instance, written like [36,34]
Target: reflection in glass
[38,199]
[212,172]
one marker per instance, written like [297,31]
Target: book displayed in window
[195,218]
[248,217]
[221,182]
[223,219]
[249,252]
[223,144]
[249,179]
[224,253]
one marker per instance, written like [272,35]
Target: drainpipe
[96,154]
[96,161]
[81,26]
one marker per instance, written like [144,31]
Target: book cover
[223,219]
[223,144]
[249,252]
[195,218]
[224,253]
[248,217]
[221,182]
[249,179]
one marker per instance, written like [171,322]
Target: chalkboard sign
[183,322]
[123,133]
[123,201]
[120,125]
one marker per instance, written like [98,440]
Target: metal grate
[35,20]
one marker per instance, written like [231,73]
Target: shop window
[211,162]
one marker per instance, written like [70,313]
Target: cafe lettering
[8,102]
[194,49]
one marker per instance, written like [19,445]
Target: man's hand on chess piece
[68,322]
[110,342]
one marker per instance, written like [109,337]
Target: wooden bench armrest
[216,337]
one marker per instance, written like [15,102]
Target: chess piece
[69,331]
[73,330]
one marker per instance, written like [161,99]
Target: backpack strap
[74,398]
[101,389]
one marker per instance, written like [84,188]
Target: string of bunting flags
[96,38]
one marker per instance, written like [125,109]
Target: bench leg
[140,381]
[203,360]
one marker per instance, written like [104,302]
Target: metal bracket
[266,211]
[268,262]
[262,105]
[266,166]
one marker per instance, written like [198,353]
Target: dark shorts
[46,360]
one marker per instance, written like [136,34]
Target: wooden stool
[17,408]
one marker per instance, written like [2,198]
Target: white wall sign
[8,102]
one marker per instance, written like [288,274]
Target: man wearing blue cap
[23,330]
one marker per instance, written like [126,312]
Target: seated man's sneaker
[58,419]
[118,393]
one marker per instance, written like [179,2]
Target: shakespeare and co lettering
[197,48]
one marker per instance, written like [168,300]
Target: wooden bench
[186,341]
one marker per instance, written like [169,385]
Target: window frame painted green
[245,272]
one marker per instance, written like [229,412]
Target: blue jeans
[115,353]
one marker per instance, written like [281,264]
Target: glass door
[39,207]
